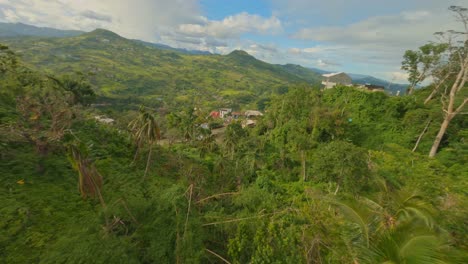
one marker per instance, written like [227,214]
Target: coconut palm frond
[360,215]
[89,179]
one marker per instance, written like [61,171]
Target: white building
[223,112]
[252,113]
[104,119]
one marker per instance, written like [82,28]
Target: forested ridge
[340,175]
[128,72]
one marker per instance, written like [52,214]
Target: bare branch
[460,107]
[216,195]
[245,218]
[421,135]
[221,258]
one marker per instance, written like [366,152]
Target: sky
[357,36]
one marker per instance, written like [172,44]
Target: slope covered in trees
[324,177]
[123,69]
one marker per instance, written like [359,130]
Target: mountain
[288,72]
[302,72]
[166,47]
[127,70]
[20,29]
[367,79]
[320,71]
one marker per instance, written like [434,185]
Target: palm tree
[394,228]
[207,142]
[145,129]
[90,181]
[408,243]
[232,138]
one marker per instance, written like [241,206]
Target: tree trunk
[431,95]
[148,161]
[436,89]
[450,111]
[439,136]
[238,177]
[413,85]
[421,135]
[136,154]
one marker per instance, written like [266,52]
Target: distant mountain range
[58,49]
[20,29]
[131,73]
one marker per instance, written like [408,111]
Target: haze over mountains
[57,50]
[20,29]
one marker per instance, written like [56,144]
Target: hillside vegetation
[111,151]
[126,69]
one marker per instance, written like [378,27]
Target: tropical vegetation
[340,175]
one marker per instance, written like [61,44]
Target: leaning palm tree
[89,179]
[145,129]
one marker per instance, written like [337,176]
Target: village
[218,119]
[247,118]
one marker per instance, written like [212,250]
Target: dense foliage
[324,176]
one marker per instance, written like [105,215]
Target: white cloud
[378,41]
[96,16]
[416,15]
[232,26]
[313,50]
[178,23]
[144,19]
[369,34]
[10,15]
[294,51]
[397,76]
[338,12]
[406,29]
[327,64]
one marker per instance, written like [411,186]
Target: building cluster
[248,118]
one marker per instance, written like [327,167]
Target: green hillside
[122,68]
[335,176]
[302,72]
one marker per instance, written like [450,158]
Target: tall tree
[448,64]
[145,130]
[452,105]
[185,122]
[45,112]
[419,64]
